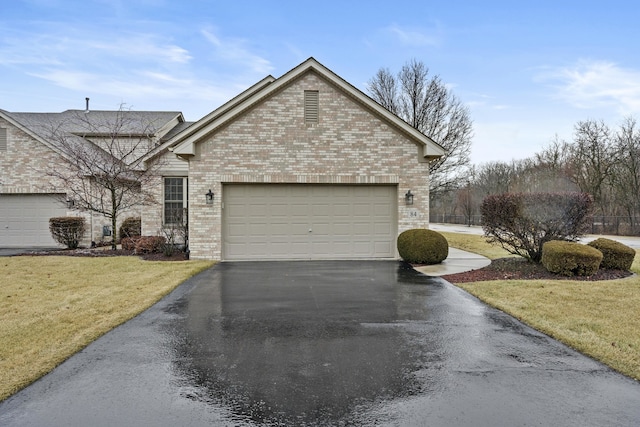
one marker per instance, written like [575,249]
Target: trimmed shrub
[150,244]
[422,246]
[130,227]
[615,255]
[522,222]
[129,243]
[67,230]
[570,258]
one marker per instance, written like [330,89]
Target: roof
[96,122]
[75,126]
[183,144]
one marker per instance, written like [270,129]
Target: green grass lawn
[53,306]
[600,319]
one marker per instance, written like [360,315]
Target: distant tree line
[600,160]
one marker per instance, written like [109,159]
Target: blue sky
[527,70]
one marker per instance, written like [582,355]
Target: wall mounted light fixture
[408,198]
[209,197]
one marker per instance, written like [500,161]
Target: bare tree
[427,104]
[592,158]
[626,171]
[105,172]
[467,202]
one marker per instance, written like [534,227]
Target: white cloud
[146,70]
[413,36]
[235,51]
[596,84]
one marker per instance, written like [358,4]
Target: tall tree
[591,161]
[626,171]
[427,104]
[106,172]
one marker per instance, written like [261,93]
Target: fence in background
[615,225]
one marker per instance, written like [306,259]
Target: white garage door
[296,221]
[24,219]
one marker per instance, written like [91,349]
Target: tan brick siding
[24,168]
[271,143]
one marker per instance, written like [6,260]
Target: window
[3,139]
[175,200]
[311,106]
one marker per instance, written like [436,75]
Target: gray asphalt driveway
[325,343]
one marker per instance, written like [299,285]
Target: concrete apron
[458,261]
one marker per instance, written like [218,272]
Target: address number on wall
[413,213]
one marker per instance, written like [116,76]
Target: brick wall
[271,143]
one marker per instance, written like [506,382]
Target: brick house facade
[305,166]
[265,136]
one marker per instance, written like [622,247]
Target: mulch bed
[521,269]
[100,252]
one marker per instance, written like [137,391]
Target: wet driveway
[326,344]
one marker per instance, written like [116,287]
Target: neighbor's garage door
[24,219]
[277,221]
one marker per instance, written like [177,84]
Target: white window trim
[185,198]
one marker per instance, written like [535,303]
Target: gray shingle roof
[74,130]
[97,121]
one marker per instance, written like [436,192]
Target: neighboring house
[34,147]
[305,166]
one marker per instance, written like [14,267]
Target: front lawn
[53,306]
[598,318]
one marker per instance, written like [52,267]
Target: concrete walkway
[458,261]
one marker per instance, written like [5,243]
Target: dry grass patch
[53,306]
[476,244]
[600,319]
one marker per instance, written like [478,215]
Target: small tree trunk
[114,219]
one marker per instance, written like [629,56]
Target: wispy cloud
[137,67]
[596,84]
[235,50]
[415,37]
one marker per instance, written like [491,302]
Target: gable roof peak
[183,143]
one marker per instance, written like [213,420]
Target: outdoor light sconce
[209,197]
[70,203]
[408,198]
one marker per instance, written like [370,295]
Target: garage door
[24,219]
[274,221]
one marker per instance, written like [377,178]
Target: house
[37,148]
[304,166]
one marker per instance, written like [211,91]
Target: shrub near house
[421,246]
[67,231]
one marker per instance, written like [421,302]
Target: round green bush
[615,255]
[422,246]
[569,258]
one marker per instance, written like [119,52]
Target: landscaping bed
[513,268]
[102,252]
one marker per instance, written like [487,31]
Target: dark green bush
[130,227]
[615,255]
[67,230]
[422,246]
[522,222]
[570,258]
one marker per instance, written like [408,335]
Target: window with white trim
[175,200]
